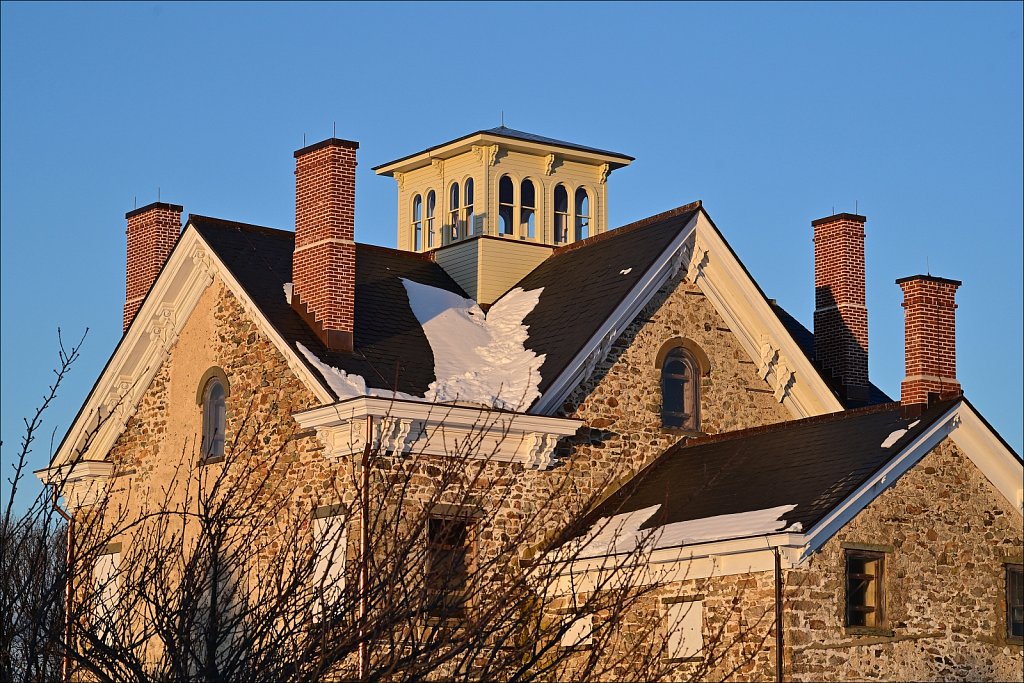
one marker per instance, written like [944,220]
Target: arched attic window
[582,214]
[506,206]
[528,209]
[453,212]
[431,205]
[467,208]
[561,206]
[213,392]
[417,222]
[680,390]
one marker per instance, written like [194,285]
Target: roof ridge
[250,227]
[630,227]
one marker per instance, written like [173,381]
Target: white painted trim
[737,299]
[714,269]
[190,269]
[445,430]
[968,432]
[644,290]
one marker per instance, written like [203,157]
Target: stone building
[747,462]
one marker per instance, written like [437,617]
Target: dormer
[502,183]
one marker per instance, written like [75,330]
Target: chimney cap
[930,278]
[840,217]
[329,142]
[155,205]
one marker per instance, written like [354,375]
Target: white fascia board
[737,299]
[448,414]
[911,454]
[690,562]
[999,465]
[189,270]
[615,324]
[83,469]
[403,426]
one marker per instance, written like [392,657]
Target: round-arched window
[561,214]
[528,209]
[506,203]
[453,212]
[582,214]
[214,418]
[680,390]
[417,222]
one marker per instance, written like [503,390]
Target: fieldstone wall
[950,532]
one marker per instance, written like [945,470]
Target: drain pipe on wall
[364,547]
[778,615]
[65,671]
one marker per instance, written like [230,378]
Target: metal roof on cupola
[516,139]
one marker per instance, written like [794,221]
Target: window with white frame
[582,214]
[431,206]
[580,631]
[527,210]
[467,208]
[417,222]
[106,587]
[684,623]
[506,206]
[330,542]
[453,212]
[561,206]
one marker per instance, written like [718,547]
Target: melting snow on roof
[622,533]
[479,358]
[895,436]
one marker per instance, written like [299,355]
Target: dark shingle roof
[389,341]
[805,340]
[814,463]
[583,284]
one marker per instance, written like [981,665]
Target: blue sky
[771,114]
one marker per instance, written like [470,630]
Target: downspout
[364,547]
[778,615]
[65,670]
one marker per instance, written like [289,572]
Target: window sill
[683,660]
[678,431]
[211,461]
[869,631]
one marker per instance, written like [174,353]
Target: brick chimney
[152,233]
[840,314]
[324,260]
[930,332]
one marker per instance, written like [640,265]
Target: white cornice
[190,269]
[402,426]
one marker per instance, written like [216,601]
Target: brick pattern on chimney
[324,261]
[153,231]
[840,315]
[930,337]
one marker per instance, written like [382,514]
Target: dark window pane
[446,570]
[1015,600]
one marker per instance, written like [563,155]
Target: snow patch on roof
[345,385]
[626,271]
[478,358]
[895,436]
[622,534]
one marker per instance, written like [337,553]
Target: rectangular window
[330,543]
[1015,600]
[446,570]
[106,584]
[864,581]
[580,632]
[685,627]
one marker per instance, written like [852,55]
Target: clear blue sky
[771,114]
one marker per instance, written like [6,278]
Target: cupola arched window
[467,208]
[453,212]
[417,222]
[528,210]
[214,418]
[582,214]
[506,204]
[431,205]
[680,390]
[561,214]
